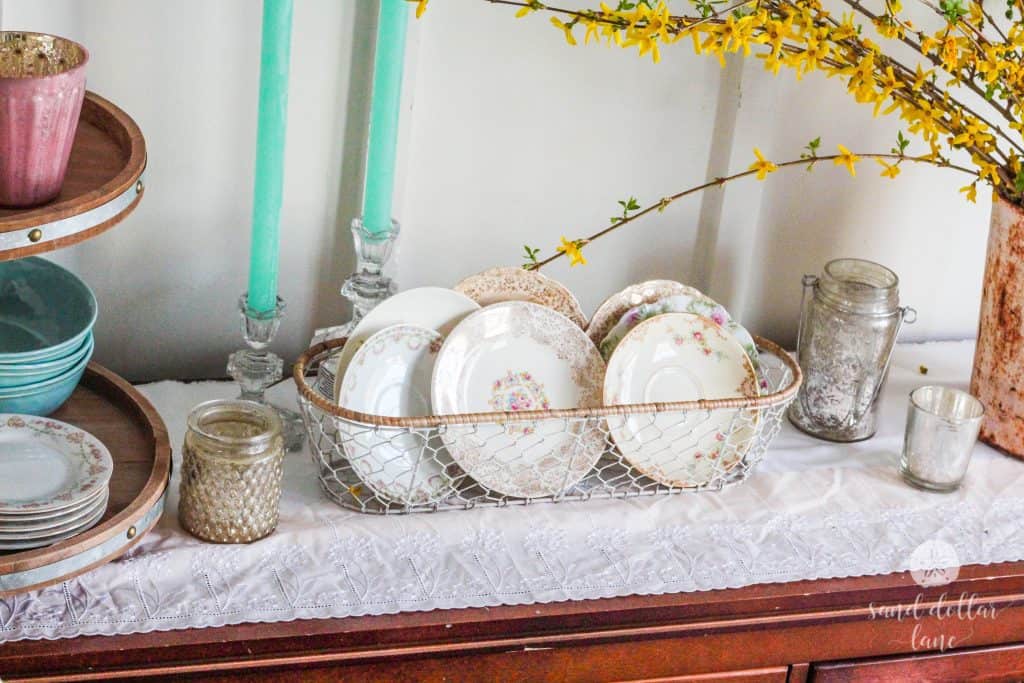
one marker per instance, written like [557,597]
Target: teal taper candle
[270,134]
[388,61]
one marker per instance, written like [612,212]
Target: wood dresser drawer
[778,674]
[1005,663]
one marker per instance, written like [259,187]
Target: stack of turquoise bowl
[46,320]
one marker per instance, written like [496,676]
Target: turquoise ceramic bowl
[23,374]
[42,398]
[45,311]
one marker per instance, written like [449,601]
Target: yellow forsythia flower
[566,29]
[421,7]
[971,191]
[848,159]
[889,170]
[762,165]
[572,249]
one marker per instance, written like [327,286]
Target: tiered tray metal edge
[129,425]
[104,183]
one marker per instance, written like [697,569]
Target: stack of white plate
[54,481]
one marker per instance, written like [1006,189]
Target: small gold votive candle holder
[942,428]
[232,465]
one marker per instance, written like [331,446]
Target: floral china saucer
[512,357]
[50,539]
[515,284]
[48,465]
[610,312]
[48,528]
[390,376]
[698,304]
[17,519]
[672,358]
[435,308]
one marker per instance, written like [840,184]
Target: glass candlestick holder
[365,288]
[256,369]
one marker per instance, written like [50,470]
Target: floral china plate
[48,465]
[435,308]
[699,304]
[54,527]
[511,357]
[50,516]
[42,541]
[681,357]
[515,284]
[610,312]
[390,376]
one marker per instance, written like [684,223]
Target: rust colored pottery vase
[998,377]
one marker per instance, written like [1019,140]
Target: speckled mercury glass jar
[232,463]
[849,321]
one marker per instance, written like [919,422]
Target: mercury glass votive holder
[42,86]
[232,465]
[942,428]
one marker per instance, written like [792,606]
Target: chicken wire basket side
[388,465]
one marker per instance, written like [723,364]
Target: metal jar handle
[908,316]
[810,283]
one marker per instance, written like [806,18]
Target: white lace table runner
[811,510]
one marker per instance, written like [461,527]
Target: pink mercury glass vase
[42,84]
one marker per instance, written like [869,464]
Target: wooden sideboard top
[616,639]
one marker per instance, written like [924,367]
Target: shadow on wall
[337,259]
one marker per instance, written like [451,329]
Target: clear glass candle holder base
[256,369]
[926,485]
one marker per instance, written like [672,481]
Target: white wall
[510,137]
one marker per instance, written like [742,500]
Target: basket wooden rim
[299,374]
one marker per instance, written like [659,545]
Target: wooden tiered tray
[104,183]
[111,409]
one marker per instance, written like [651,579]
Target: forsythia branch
[845,158]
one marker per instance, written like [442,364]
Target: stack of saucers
[54,481]
[46,320]
[667,342]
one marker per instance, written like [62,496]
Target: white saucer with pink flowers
[47,465]
[515,357]
[679,357]
[54,481]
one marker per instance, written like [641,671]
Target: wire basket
[388,465]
